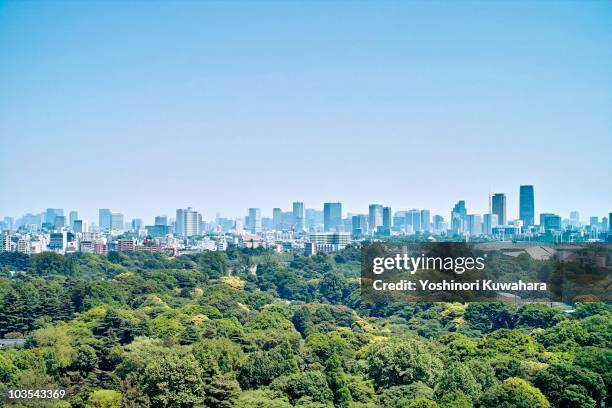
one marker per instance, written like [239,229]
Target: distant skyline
[149,107]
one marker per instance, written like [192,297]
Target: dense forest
[248,328]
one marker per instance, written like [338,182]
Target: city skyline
[297,208]
[224,106]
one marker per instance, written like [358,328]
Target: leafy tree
[261,367]
[337,383]
[261,399]
[221,391]
[455,399]
[400,395]
[311,384]
[51,263]
[514,392]
[457,377]
[218,356]
[174,380]
[86,359]
[190,335]
[302,320]
[421,402]
[539,315]
[105,399]
[488,317]
[557,378]
[332,287]
[402,362]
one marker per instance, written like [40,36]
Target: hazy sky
[145,107]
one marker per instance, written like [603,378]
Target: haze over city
[224,106]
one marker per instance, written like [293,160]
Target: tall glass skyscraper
[332,216]
[375,216]
[499,207]
[104,219]
[526,206]
[298,215]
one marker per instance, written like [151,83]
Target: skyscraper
[387,218]
[72,216]
[413,221]
[161,220]
[137,224]
[438,223]
[375,216]
[459,218]
[187,223]
[116,221]
[179,223]
[425,220]
[489,222]
[474,224]
[191,222]
[51,213]
[254,224]
[277,218]
[575,219]
[59,222]
[359,225]
[499,207]
[550,222]
[526,206]
[332,216]
[299,218]
[104,219]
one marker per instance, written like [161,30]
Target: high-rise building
[574,219]
[459,218]
[489,222]
[425,220]
[277,218]
[332,216]
[526,206]
[72,216]
[413,221]
[375,216]
[550,222]
[387,220]
[116,221]
[474,225]
[254,218]
[438,223]
[51,213]
[161,220]
[594,221]
[359,225]
[299,217]
[59,222]
[5,243]
[191,222]
[104,219]
[187,223]
[499,207]
[179,223]
[80,226]
[137,224]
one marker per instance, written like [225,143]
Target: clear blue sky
[145,107]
